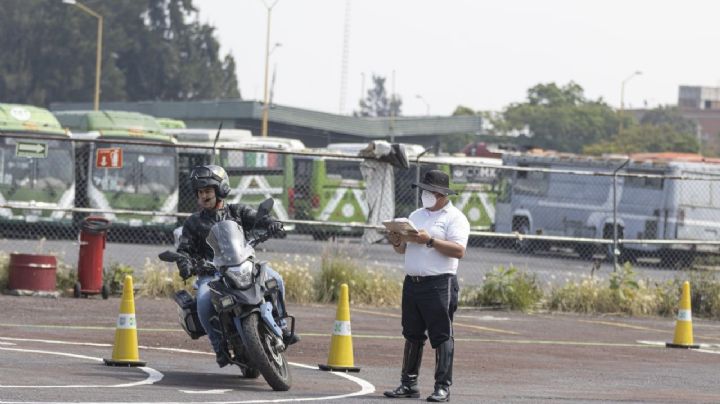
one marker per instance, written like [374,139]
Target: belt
[420,279]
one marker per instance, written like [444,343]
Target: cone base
[112,362]
[338,368]
[671,345]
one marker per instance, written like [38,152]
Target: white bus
[649,206]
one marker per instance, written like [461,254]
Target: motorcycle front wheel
[264,355]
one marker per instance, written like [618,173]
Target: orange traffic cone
[125,349]
[683,326]
[341,349]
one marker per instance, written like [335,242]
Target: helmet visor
[207,172]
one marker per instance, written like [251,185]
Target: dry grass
[4,270]
[160,279]
[297,278]
[341,264]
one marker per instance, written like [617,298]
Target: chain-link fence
[666,212]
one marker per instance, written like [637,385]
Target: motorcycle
[246,300]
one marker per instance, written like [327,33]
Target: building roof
[242,110]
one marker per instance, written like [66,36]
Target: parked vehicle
[123,176]
[649,207]
[254,175]
[245,298]
[34,172]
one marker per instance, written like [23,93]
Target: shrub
[704,294]
[65,277]
[367,286]
[4,270]
[114,276]
[509,288]
[622,294]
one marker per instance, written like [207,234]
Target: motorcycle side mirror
[170,256]
[265,207]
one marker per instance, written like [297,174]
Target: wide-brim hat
[435,181]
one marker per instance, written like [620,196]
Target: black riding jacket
[197,227]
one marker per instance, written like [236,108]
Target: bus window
[41,179]
[344,169]
[644,182]
[531,182]
[146,171]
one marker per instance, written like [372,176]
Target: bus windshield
[145,170]
[39,179]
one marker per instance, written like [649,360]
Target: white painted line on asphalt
[215,391]
[704,348]
[365,386]
[153,375]
[6,343]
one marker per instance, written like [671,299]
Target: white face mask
[428,199]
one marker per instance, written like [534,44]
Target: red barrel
[93,231]
[32,272]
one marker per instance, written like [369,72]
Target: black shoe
[403,391]
[440,395]
[222,359]
[289,339]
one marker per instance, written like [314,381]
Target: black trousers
[428,305]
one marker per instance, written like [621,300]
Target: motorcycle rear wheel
[263,354]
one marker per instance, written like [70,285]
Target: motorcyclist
[211,185]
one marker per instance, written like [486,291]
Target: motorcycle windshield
[227,240]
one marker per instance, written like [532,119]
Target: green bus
[475,181]
[116,175]
[254,175]
[170,123]
[34,173]
[333,189]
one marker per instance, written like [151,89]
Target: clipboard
[400,225]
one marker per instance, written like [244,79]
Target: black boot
[412,357]
[443,371]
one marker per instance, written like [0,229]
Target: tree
[670,116]
[646,138]
[561,118]
[662,129]
[377,104]
[152,49]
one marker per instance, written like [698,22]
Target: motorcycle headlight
[241,275]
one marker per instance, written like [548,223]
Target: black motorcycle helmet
[211,176]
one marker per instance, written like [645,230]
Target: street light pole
[98,54]
[267,67]
[622,99]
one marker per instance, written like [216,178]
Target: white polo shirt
[448,223]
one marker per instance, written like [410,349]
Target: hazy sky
[483,54]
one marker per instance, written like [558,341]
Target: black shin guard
[443,371]
[412,358]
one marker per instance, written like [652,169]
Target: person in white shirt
[430,289]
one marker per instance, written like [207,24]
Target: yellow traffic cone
[683,326]
[125,350]
[341,349]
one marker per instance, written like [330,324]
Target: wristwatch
[430,242]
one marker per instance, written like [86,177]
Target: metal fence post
[615,251]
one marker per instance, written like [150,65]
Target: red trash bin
[93,231]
